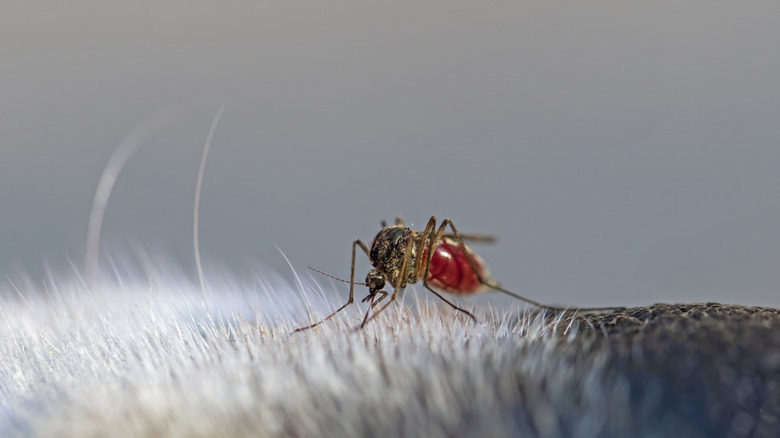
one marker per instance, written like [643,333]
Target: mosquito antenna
[335,278]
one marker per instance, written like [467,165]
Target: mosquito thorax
[388,244]
[388,249]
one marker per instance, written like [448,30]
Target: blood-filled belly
[451,271]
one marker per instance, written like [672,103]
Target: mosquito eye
[375,283]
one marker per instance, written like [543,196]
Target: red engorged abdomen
[450,270]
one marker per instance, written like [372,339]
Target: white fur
[154,358]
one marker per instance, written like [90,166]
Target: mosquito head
[375,281]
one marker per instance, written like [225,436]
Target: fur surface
[161,359]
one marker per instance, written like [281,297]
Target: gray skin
[695,370]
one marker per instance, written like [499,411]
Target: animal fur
[161,359]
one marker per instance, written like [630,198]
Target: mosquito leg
[421,261]
[471,315]
[355,244]
[495,286]
[421,267]
[398,221]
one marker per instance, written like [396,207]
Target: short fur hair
[163,359]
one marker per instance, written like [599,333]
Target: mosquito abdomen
[450,270]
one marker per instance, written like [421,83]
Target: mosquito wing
[473,237]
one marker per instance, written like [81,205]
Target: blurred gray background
[624,153]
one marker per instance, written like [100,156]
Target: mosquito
[401,256]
